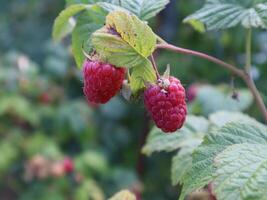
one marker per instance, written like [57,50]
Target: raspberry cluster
[165,101]
[101,81]
[166,104]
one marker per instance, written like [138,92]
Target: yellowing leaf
[125,41]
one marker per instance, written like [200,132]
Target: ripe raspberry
[166,104]
[68,165]
[191,92]
[101,81]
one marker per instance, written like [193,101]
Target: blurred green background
[45,119]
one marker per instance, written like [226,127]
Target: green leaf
[125,41]
[223,14]
[87,23]
[222,99]
[203,168]
[181,163]
[221,118]
[241,172]
[189,136]
[89,189]
[123,195]
[144,9]
[62,21]
[70,2]
[141,74]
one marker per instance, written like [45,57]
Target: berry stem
[155,66]
[248,50]
[243,74]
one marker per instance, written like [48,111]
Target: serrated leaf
[189,136]
[181,163]
[241,172]
[222,99]
[124,41]
[62,21]
[223,14]
[87,23]
[140,75]
[203,168]
[123,195]
[143,9]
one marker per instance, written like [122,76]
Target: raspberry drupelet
[165,101]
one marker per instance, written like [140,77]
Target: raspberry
[101,81]
[166,104]
[192,92]
[68,165]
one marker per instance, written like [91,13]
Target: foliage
[217,14]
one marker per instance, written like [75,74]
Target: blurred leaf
[222,100]
[123,195]
[223,14]
[221,118]
[40,144]
[62,23]
[18,106]
[10,153]
[91,161]
[89,190]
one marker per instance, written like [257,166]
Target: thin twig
[155,66]
[240,73]
[248,50]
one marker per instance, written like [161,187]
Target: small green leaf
[87,23]
[62,21]
[140,75]
[125,41]
[223,14]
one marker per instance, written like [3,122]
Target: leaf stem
[155,66]
[233,69]
[248,50]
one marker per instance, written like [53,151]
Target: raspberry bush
[215,150]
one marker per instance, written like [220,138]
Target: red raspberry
[101,81]
[192,92]
[166,104]
[68,165]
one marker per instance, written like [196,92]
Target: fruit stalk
[233,69]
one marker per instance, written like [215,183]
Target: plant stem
[248,50]
[155,66]
[240,73]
